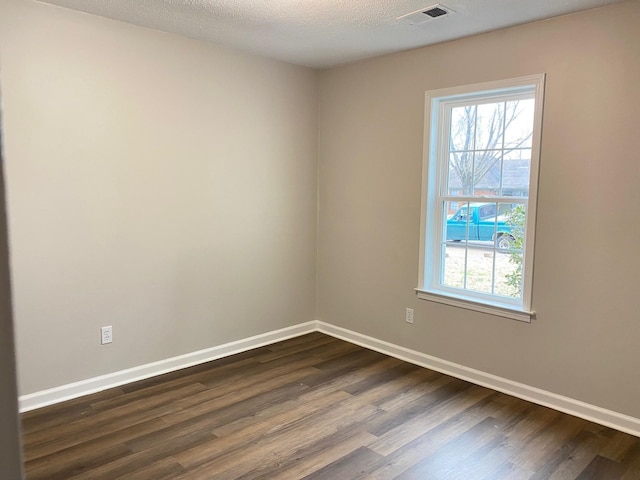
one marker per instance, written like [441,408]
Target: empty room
[305,239]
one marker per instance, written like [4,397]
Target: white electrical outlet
[409,317]
[107,334]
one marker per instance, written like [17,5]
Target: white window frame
[429,287]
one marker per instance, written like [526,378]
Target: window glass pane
[458,218]
[519,123]
[508,277]
[453,271]
[457,172]
[462,128]
[487,172]
[489,126]
[486,222]
[516,168]
[510,253]
[480,269]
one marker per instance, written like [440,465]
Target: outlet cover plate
[409,315]
[106,335]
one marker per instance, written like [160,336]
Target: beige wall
[161,185]
[585,341]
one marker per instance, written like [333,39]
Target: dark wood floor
[316,408]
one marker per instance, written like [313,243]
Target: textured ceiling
[323,33]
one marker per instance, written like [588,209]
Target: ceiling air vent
[426,14]
[435,12]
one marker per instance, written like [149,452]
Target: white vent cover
[426,14]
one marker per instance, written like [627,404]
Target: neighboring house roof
[515,176]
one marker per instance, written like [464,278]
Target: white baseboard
[115,379]
[561,403]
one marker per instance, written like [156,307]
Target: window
[479,195]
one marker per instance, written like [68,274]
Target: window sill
[501,310]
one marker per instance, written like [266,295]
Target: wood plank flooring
[315,407]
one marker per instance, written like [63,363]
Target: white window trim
[519,312]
